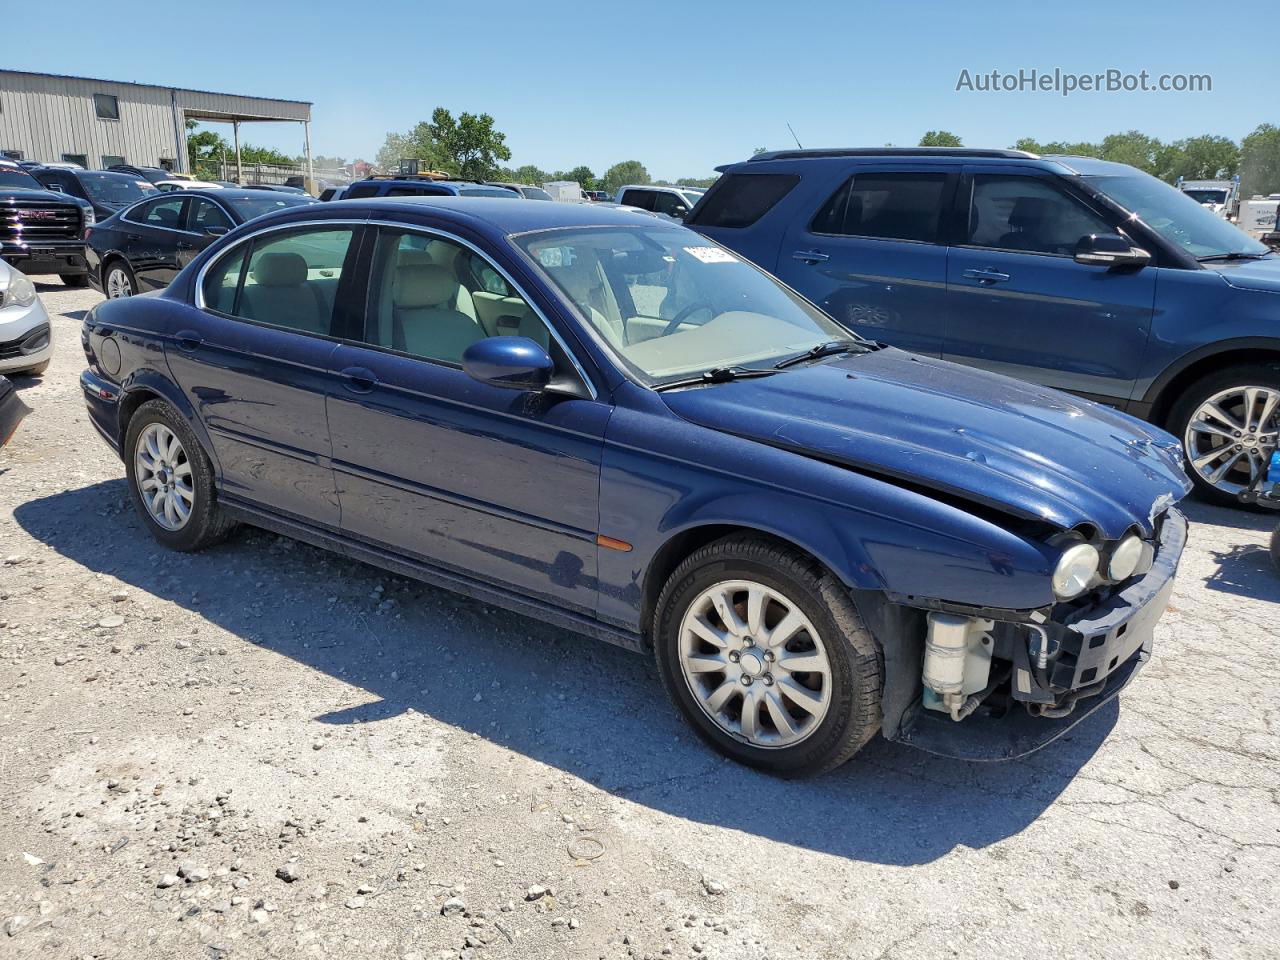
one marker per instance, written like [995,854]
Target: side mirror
[1109,250]
[515,363]
[216,231]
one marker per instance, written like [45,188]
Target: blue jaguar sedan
[613,424]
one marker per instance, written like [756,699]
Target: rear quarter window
[740,199]
[362,190]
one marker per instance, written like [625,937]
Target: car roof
[222,193]
[1090,166]
[517,215]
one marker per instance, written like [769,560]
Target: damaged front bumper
[1049,676]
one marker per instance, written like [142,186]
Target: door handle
[133,237]
[358,379]
[810,256]
[188,340]
[986,276]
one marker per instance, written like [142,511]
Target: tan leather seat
[424,321]
[281,295]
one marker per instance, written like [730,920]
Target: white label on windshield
[711,254]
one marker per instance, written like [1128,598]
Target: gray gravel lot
[267,750]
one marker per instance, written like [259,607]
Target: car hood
[1024,450]
[16,195]
[1262,275]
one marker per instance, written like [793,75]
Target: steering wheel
[680,317]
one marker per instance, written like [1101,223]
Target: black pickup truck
[42,231]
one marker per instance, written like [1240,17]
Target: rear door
[255,364]
[872,254]
[152,232]
[1019,304]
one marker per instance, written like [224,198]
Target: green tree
[940,138]
[697,181]
[1260,161]
[1199,158]
[583,176]
[1134,148]
[628,171]
[530,174]
[466,146]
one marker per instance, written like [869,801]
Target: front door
[498,484]
[871,256]
[1019,304]
[255,364]
[206,221]
[153,233]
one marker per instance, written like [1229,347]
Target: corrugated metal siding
[47,116]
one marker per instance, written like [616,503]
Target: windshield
[250,207]
[535,193]
[114,189]
[1207,196]
[672,304]
[1176,216]
[19,178]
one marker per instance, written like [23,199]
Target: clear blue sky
[680,87]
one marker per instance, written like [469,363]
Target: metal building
[96,123]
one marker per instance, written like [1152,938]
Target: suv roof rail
[978,152]
[428,175]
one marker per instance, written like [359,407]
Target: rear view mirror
[1109,250]
[516,363]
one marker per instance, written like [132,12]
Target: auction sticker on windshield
[711,254]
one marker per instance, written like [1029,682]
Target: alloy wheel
[755,664]
[118,284]
[1230,437]
[163,476]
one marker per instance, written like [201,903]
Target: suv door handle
[810,256]
[986,276]
[188,340]
[358,379]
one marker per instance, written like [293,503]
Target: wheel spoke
[149,484]
[801,696]
[717,698]
[1221,472]
[786,628]
[1201,462]
[749,715]
[183,469]
[186,494]
[708,633]
[757,600]
[778,714]
[728,615]
[1214,410]
[1269,404]
[704,664]
[811,662]
[1205,427]
[170,513]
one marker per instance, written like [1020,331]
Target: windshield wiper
[1235,255]
[716,375]
[825,349]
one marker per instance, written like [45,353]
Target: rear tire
[794,701]
[75,280]
[118,280]
[1204,430]
[182,476]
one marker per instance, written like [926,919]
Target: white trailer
[568,190]
[1259,217]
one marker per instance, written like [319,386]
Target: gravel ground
[267,750]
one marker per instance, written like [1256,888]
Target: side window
[670,204]
[1027,214]
[740,199]
[291,280]
[166,214]
[432,298]
[638,198]
[362,190]
[206,213]
[886,206]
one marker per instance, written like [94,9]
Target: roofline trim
[159,86]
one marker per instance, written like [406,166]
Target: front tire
[1228,422]
[171,480]
[765,655]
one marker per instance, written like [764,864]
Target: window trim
[198,300]
[186,211]
[191,204]
[946,201]
[115,102]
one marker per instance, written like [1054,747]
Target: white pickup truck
[1220,196]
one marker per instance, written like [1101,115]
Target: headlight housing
[90,218]
[1125,558]
[1076,569]
[17,290]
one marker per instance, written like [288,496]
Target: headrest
[424,285]
[1030,211]
[280,270]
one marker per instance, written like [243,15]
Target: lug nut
[746,681]
[768,679]
[734,656]
[748,642]
[768,655]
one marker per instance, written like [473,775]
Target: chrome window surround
[124,214]
[408,228]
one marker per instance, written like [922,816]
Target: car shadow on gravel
[586,708]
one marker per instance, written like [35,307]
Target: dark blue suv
[1071,272]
